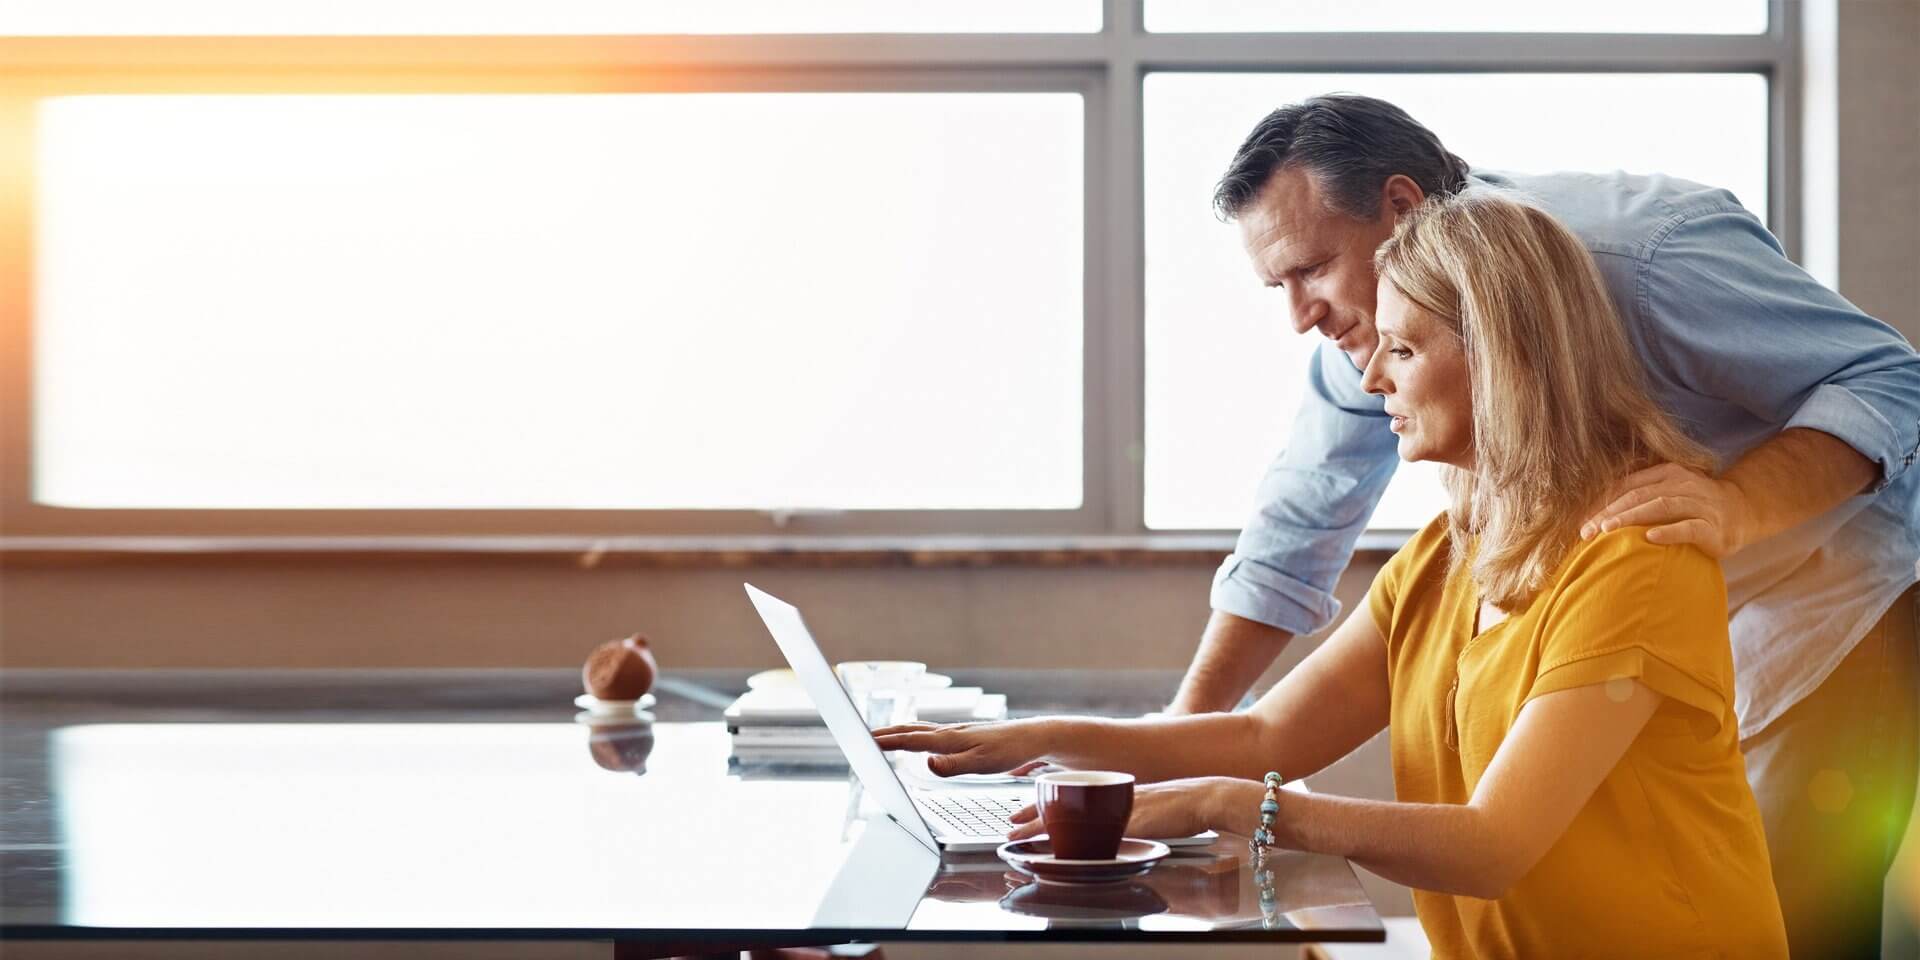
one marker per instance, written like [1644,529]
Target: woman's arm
[1334,701]
[1328,705]
[1561,747]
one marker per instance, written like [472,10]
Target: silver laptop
[957,817]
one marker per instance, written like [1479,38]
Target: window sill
[1168,550]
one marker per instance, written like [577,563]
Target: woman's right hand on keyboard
[1012,746]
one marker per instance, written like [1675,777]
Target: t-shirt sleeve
[1385,592]
[1631,610]
[1390,584]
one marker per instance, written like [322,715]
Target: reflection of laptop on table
[957,818]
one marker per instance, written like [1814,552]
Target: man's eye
[1318,268]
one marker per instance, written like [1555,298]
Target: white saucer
[612,708]
[1035,858]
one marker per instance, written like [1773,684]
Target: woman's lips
[1397,423]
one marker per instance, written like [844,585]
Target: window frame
[1107,69]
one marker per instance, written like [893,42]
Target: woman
[1565,753]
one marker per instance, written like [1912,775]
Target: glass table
[454,805]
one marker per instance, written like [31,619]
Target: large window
[731,268]
[547,17]
[666,301]
[1459,16]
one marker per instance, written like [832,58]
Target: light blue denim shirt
[1739,344]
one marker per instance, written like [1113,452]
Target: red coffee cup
[1085,812]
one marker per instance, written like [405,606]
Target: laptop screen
[836,708]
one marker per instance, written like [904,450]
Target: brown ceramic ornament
[620,669]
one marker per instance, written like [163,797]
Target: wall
[504,612]
[1862,153]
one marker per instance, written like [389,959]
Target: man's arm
[1729,316]
[1796,476]
[1313,504]
[1233,652]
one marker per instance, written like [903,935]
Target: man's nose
[1308,311]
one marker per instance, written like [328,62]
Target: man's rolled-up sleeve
[1313,504]
[1733,318]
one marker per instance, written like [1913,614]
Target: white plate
[639,718]
[785,678]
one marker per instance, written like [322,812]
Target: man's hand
[1681,506]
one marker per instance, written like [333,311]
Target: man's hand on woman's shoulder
[1679,506]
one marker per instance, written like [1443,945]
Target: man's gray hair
[1350,143]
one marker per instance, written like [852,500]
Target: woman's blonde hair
[1560,411]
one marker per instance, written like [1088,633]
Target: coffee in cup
[1085,811]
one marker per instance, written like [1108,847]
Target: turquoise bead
[1273,779]
[1269,807]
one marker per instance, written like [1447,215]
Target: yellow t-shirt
[1668,859]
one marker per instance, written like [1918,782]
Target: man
[1812,406]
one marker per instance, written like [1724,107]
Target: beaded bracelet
[1269,810]
[1271,917]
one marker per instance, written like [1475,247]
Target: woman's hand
[993,747]
[1176,808]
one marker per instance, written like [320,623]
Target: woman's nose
[1372,380]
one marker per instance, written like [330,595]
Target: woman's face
[1420,367]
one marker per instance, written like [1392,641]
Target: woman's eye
[1401,352]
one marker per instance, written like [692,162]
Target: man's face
[1322,259]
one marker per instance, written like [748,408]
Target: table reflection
[471,825]
[611,826]
[621,746]
[1112,905]
[1191,890]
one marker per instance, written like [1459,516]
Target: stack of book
[779,725]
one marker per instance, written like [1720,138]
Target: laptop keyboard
[971,815]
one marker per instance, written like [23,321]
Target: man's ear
[1401,195]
